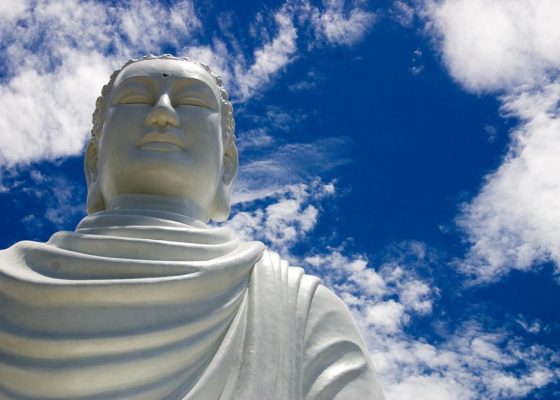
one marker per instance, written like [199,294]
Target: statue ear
[94,201]
[221,206]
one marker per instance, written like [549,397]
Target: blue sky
[405,151]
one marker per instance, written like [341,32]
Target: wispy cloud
[272,56]
[44,198]
[336,23]
[288,216]
[287,164]
[339,24]
[469,363]
[533,327]
[402,12]
[148,26]
[312,79]
[279,119]
[253,139]
[417,66]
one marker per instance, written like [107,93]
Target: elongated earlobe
[222,202]
[94,201]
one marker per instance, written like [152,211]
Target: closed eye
[133,92]
[134,99]
[192,101]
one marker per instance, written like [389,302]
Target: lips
[165,140]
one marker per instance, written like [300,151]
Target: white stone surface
[146,301]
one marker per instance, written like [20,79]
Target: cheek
[122,127]
[121,121]
[203,130]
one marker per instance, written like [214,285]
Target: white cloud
[257,138]
[339,25]
[218,57]
[533,327]
[496,44]
[403,13]
[49,32]
[65,201]
[148,25]
[270,58]
[469,365]
[38,122]
[514,222]
[513,47]
[352,276]
[387,316]
[12,9]
[415,295]
[336,24]
[245,77]
[311,80]
[417,66]
[382,299]
[288,217]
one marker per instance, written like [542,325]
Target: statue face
[162,133]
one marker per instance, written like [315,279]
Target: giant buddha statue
[144,300]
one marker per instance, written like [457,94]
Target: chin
[161,175]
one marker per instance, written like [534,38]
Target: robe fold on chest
[153,305]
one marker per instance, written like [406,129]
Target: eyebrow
[179,83]
[144,80]
[188,83]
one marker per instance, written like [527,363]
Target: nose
[163,113]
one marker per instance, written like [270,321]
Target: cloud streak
[279,165]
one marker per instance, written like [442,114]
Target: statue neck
[177,205]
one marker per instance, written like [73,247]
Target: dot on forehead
[168,69]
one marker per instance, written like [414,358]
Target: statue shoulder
[328,313]
[337,364]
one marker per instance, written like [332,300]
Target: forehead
[167,70]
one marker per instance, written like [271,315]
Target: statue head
[163,126]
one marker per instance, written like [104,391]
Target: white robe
[156,306]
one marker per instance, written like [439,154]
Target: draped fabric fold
[128,306]
[147,305]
